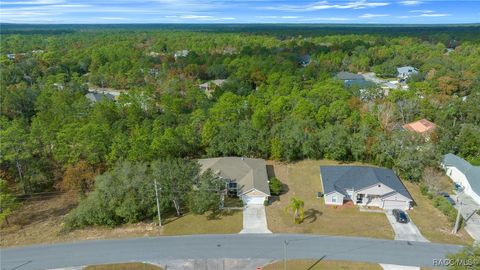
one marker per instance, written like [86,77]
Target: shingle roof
[95,97]
[406,69]
[472,173]
[249,173]
[420,126]
[343,75]
[340,178]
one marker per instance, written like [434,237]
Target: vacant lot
[431,222]
[302,180]
[324,265]
[41,221]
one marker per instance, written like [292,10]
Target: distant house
[422,127]
[464,174]
[304,60]
[245,177]
[365,186]
[209,87]
[405,72]
[11,56]
[97,97]
[352,79]
[182,53]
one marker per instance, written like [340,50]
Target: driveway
[254,219]
[405,231]
[248,246]
[467,209]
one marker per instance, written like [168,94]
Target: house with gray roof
[405,72]
[364,186]
[464,174]
[97,97]
[245,177]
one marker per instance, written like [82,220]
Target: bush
[445,207]
[424,190]
[275,186]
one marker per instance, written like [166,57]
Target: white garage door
[253,199]
[403,205]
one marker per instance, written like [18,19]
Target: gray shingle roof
[343,75]
[340,178]
[249,173]
[96,97]
[472,173]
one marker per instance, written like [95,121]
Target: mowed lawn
[302,180]
[321,264]
[431,222]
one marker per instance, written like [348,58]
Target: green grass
[124,266]
[431,222]
[322,265]
[224,223]
[303,181]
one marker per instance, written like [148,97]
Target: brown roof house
[422,127]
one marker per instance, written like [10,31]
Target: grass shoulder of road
[124,266]
[432,223]
[321,264]
[42,222]
[302,180]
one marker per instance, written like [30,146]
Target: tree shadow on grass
[217,215]
[312,215]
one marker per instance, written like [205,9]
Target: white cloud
[433,15]
[199,17]
[361,4]
[410,2]
[422,11]
[369,15]
[277,17]
[338,19]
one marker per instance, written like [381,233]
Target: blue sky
[240,11]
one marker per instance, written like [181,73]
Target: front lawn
[302,180]
[431,222]
[321,264]
[42,222]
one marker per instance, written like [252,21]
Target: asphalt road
[223,246]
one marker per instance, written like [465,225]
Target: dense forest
[272,105]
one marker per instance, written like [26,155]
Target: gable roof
[96,97]
[217,82]
[472,173]
[343,75]
[341,178]
[406,70]
[249,173]
[421,126]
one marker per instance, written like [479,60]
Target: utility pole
[158,203]
[457,221]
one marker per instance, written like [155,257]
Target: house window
[334,198]
[232,186]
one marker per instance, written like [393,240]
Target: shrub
[275,186]
[445,207]
[424,190]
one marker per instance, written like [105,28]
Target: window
[334,198]
[232,186]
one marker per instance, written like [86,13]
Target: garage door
[253,199]
[403,205]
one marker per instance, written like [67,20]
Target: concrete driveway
[467,208]
[404,231]
[254,219]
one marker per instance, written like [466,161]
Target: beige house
[365,186]
[245,177]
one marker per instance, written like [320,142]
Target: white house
[365,186]
[464,174]
[245,177]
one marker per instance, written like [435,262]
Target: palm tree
[296,206]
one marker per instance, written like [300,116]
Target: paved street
[405,231]
[254,219]
[251,246]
